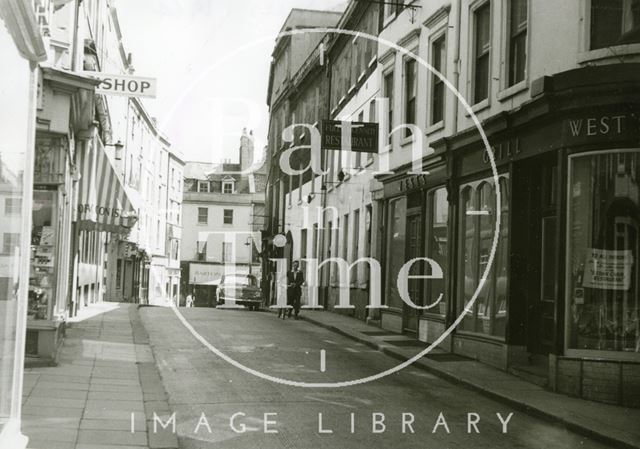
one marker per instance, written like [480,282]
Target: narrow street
[203,387]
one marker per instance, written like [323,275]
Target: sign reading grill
[360,137]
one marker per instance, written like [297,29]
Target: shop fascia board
[80,89]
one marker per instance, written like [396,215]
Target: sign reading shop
[125,85]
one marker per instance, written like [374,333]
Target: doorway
[413,250]
[537,250]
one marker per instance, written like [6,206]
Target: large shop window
[437,248]
[43,254]
[603,278]
[396,243]
[488,314]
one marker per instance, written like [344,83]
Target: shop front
[104,216]
[417,226]
[560,305]
[58,137]
[560,302]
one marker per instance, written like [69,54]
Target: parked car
[239,290]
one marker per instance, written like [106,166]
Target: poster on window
[608,269]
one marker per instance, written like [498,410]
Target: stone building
[219,198]
[536,239]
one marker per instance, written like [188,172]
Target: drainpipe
[74,48]
[456,61]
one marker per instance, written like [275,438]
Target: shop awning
[103,202]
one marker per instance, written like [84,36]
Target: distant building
[219,198]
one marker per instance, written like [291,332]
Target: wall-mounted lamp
[341,177]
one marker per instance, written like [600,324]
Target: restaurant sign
[359,137]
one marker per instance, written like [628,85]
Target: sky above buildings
[211,59]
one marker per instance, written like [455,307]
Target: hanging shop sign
[125,85]
[335,136]
[608,269]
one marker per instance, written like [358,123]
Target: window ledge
[435,127]
[387,20]
[513,90]
[478,107]
[609,53]
[406,140]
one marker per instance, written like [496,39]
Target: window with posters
[603,245]
[42,277]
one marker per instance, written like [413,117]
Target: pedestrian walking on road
[295,279]
[189,301]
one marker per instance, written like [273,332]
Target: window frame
[586,54]
[224,217]
[506,90]
[203,183]
[428,249]
[226,184]
[566,325]
[199,216]
[440,32]
[407,136]
[389,73]
[473,10]
[477,184]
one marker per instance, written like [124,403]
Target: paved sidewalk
[617,426]
[106,372]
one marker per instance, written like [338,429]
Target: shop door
[413,250]
[544,244]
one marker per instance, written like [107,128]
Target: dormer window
[229,185]
[203,186]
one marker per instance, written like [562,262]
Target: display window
[488,314]
[396,242]
[437,248]
[42,277]
[603,245]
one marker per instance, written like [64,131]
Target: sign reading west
[360,137]
[125,85]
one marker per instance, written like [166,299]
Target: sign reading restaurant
[360,137]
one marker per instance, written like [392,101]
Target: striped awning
[103,202]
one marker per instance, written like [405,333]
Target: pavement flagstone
[106,373]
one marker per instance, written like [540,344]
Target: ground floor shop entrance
[535,249]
